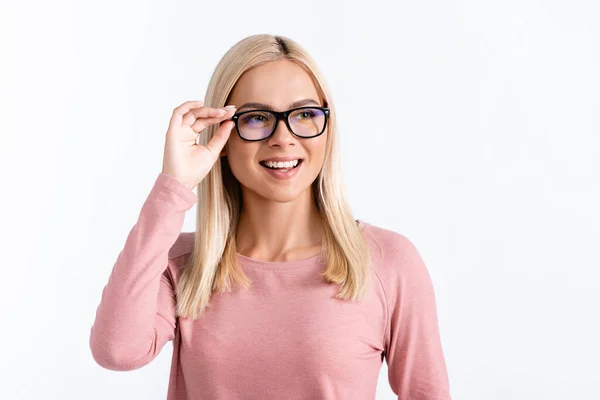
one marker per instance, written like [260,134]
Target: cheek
[239,157]
[318,149]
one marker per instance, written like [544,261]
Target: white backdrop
[471,127]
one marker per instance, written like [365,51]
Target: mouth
[272,168]
[282,174]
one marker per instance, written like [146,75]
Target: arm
[136,315]
[413,350]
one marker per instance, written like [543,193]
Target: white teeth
[284,164]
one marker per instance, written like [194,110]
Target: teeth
[285,164]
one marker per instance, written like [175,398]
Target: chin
[280,195]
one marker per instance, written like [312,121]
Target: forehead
[277,83]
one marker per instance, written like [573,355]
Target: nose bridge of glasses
[282,121]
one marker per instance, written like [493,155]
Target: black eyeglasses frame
[281,115]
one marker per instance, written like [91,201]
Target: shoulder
[393,254]
[183,245]
[386,242]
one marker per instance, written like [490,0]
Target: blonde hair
[213,265]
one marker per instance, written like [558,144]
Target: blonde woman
[280,293]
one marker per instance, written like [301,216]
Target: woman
[280,293]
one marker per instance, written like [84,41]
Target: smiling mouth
[300,160]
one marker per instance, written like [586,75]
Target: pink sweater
[287,337]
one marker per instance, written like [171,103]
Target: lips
[300,160]
[281,159]
[283,175]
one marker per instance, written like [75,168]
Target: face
[278,84]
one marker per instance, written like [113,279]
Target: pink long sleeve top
[287,337]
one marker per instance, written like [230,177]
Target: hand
[183,159]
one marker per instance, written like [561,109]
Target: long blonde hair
[213,265]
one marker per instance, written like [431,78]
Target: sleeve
[413,350]
[136,314]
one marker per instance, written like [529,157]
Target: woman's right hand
[183,159]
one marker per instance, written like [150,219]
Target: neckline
[317,259]
[253,262]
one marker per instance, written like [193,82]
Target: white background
[471,127]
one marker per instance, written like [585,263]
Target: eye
[255,117]
[306,114]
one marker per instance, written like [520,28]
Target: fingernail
[230,107]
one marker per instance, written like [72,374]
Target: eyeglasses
[303,122]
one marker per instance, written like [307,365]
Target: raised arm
[136,315]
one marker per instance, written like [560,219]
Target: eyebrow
[262,106]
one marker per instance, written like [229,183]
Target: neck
[276,231]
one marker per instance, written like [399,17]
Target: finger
[180,110]
[207,112]
[202,123]
[218,141]
[205,116]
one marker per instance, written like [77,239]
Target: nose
[282,136]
